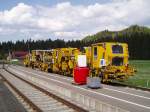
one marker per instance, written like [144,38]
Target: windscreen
[117,49]
[117,61]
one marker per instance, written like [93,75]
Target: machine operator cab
[111,60]
[114,54]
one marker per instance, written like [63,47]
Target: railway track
[110,98]
[116,83]
[37,98]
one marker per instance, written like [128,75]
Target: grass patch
[142,77]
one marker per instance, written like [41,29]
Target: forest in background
[137,38]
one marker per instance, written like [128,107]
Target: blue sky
[7,4]
[68,19]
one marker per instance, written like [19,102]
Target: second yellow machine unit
[59,60]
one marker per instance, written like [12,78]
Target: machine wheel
[50,70]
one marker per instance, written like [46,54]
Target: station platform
[8,102]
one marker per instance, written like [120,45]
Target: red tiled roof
[19,53]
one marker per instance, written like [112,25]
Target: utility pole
[28,47]
[3,65]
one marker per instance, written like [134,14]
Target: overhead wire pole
[9,54]
[28,47]
[9,57]
[28,41]
[3,64]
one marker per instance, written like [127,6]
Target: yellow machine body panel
[109,60]
[26,61]
[36,58]
[115,54]
[64,59]
[87,51]
[46,62]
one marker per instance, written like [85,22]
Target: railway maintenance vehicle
[59,60]
[107,60]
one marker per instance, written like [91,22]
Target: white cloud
[68,21]
[18,15]
[70,35]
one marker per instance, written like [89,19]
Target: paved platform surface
[126,98]
[8,102]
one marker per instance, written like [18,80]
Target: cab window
[95,51]
[117,61]
[117,49]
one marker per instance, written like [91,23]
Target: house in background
[19,54]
